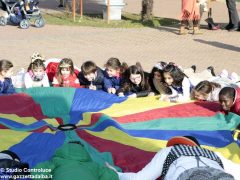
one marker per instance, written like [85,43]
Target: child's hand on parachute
[120,94]
[164,98]
[134,95]
[111,90]
[92,87]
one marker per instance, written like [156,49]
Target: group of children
[168,79]
[172,82]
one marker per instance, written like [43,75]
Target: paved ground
[147,45]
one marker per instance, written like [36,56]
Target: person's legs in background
[233,16]
[196,27]
[190,13]
[196,21]
[61,3]
[230,21]
[183,30]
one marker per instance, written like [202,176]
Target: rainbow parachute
[126,132]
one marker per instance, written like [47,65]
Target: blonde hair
[204,88]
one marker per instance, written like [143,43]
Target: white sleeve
[151,171]
[45,81]
[28,80]
[174,92]
[55,81]
[186,90]
[230,167]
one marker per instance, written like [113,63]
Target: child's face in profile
[38,72]
[168,78]
[226,102]
[157,76]
[136,78]
[65,72]
[91,76]
[199,96]
[112,72]
[8,73]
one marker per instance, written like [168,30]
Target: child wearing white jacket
[36,75]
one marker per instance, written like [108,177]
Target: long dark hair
[135,69]
[159,68]
[176,73]
[64,62]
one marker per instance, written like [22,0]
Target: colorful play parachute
[124,132]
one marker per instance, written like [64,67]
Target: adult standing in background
[190,12]
[233,24]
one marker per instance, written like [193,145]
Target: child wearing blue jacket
[6,71]
[113,76]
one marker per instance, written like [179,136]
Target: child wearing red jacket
[65,76]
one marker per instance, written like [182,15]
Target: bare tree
[147,8]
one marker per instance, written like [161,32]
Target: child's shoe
[211,69]
[194,68]
[234,77]
[197,31]
[190,25]
[183,30]
[224,73]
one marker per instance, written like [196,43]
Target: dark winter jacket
[111,82]
[98,81]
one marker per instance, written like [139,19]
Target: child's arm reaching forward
[186,86]
[151,171]
[45,81]
[55,82]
